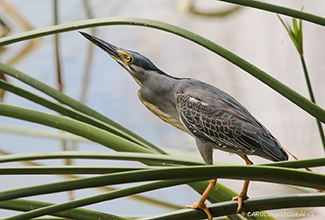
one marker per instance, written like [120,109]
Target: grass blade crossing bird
[214,118]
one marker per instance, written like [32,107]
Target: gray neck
[162,93]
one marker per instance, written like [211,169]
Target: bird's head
[140,67]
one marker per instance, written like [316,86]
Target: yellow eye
[129,59]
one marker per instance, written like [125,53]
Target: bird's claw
[240,198]
[202,206]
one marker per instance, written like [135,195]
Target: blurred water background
[254,35]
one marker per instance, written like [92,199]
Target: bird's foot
[202,206]
[240,198]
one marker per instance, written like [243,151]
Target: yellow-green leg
[201,204]
[243,194]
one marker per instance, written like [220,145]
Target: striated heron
[215,119]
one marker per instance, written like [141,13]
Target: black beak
[107,47]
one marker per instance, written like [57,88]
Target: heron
[215,119]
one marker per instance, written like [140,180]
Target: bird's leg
[205,149]
[243,194]
[201,204]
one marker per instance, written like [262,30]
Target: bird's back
[211,114]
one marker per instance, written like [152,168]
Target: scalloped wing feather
[228,129]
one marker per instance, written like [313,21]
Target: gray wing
[228,129]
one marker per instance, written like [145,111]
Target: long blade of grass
[251,206]
[312,97]
[279,10]
[144,157]
[40,133]
[256,173]
[62,98]
[71,169]
[57,48]
[52,170]
[74,114]
[72,126]
[90,56]
[77,213]
[102,197]
[316,162]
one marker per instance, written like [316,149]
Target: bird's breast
[163,115]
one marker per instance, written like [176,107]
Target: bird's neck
[160,99]
[162,86]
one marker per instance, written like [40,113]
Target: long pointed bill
[112,50]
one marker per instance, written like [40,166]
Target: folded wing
[228,129]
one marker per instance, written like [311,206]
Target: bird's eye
[129,59]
